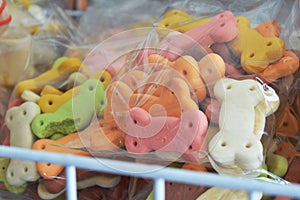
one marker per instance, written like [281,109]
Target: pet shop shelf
[159,174]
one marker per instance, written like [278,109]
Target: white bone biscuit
[18,120]
[244,106]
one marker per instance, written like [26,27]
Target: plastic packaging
[189,98]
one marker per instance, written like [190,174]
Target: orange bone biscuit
[287,123]
[256,52]
[98,136]
[269,29]
[287,65]
[187,67]
[48,170]
[194,167]
[118,95]
[54,77]
[169,98]
[287,150]
[163,97]
[212,69]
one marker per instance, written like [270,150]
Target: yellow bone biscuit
[54,77]
[48,89]
[103,76]
[180,21]
[256,52]
[49,103]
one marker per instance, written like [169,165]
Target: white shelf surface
[159,174]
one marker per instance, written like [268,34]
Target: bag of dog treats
[210,86]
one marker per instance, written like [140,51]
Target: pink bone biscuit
[185,134]
[221,28]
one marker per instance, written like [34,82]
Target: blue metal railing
[158,173]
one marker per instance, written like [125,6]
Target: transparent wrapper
[158,96]
[57,34]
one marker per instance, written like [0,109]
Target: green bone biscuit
[4,162]
[73,115]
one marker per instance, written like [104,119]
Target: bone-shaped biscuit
[84,178]
[287,150]
[49,103]
[167,97]
[212,69]
[187,67]
[118,96]
[255,51]
[287,65]
[28,95]
[48,170]
[50,188]
[176,190]
[44,194]
[287,124]
[180,21]
[266,29]
[221,28]
[184,135]
[21,171]
[4,162]
[172,97]
[48,89]
[132,78]
[99,137]
[18,120]
[102,75]
[221,193]
[269,29]
[54,77]
[296,102]
[75,114]
[12,103]
[75,79]
[241,124]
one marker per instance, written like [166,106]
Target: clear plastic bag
[156,96]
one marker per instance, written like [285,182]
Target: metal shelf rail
[159,174]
